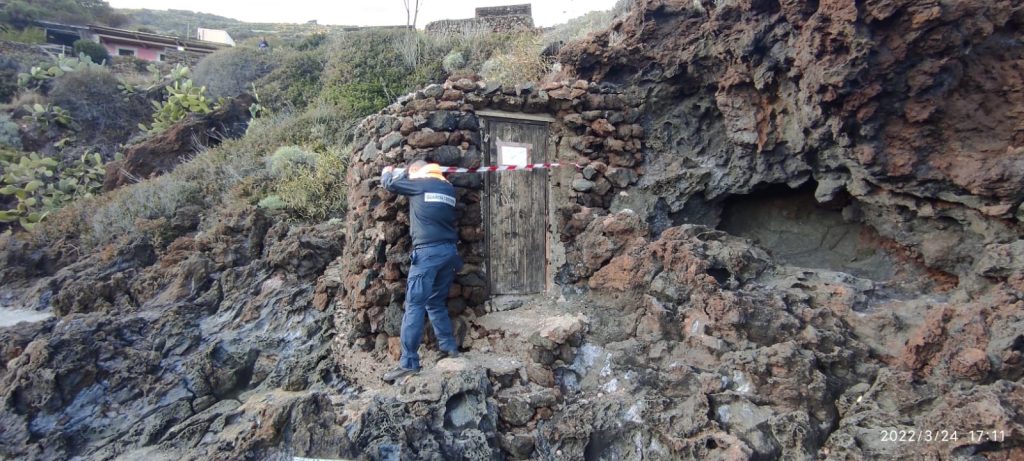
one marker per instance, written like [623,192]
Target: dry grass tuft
[518,63]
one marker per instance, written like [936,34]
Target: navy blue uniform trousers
[430,277]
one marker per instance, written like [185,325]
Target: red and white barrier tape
[484,169]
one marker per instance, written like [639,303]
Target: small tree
[412,12]
[93,50]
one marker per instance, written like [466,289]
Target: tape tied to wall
[484,169]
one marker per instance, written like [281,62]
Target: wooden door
[516,207]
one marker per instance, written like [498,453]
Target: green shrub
[183,98]
[290,160]
[30,35]
[317,192]
[39,75]
[230,72]
[318,128]
[212,177]
[233,172]
[363,98]
[66,11]
[367,70]
[312,42]
[272,202]
[295,83]
[45,116]
[453,62]
[433,51]
[23,179]
[93,50]
[95,100]
[9,156]
[9,135]
[476,44]
[39,186]
[151,199]
[204,180]
[156,79]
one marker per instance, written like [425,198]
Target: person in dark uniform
[434,260]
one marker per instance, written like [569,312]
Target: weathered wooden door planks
[516,208]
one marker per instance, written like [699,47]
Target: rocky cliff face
[788,122]
[815,253]
[157,346]
[905,114]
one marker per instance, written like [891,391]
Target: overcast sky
[364,12]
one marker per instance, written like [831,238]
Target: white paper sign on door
[513,155]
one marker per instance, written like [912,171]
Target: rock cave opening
[796,230]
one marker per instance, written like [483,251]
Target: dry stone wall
[493,24]
[507,18]
[596,127]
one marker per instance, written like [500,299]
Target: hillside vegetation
[70,125]
[312,89]
[18,12]
[184,23]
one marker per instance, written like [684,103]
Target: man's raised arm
[398,183]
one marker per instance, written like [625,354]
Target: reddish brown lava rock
[602,127]
[971,363]
[421,139]
[408,126]
[925,344]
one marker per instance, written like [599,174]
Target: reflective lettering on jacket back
[435,197]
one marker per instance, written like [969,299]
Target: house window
[163,57]
[125,52]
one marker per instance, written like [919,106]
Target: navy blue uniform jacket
[431,207]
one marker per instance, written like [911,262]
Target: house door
[516,207]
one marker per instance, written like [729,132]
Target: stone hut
[516,227]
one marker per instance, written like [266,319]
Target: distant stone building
[506,18]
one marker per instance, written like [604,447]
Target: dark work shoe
[449,355]
[397,374]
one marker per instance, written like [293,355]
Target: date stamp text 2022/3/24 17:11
[943,435]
